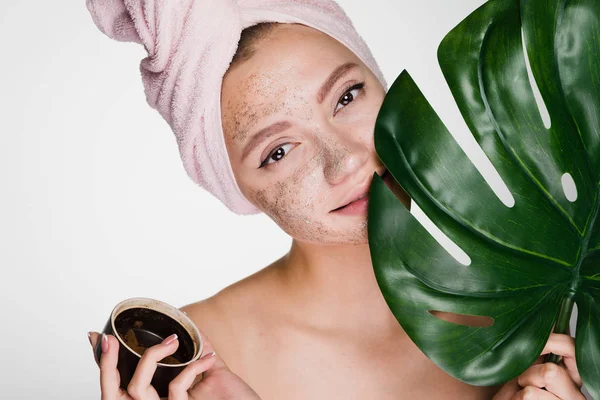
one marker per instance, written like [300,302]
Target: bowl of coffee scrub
[140,323]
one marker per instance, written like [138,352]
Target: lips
[362,192]
[339,208]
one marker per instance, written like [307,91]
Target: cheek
[373,102]
[293,199]
[296,203]
[292,211]
[372,109]
[361,118]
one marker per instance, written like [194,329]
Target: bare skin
[314,325]
[318,343]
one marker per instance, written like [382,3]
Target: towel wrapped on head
[190,44]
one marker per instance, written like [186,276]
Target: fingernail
[209,355]
[104,343]
[170,339]
[90,338]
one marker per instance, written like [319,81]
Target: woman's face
[298,118]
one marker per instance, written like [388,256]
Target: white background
[95,206]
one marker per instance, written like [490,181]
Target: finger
[508,390]
[531,393]
[109,375]
[555,379]
[140,384]
[183,382]
[564,345]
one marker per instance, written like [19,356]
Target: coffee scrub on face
[323,110]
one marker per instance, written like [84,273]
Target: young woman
[298,110]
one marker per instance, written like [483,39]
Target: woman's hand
[561,381]
[217,383]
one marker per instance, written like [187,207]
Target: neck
[333,283]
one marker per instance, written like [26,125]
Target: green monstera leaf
[529,261]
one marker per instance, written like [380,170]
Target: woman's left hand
[561,381]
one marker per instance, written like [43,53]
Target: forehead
[281,77]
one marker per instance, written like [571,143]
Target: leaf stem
[562,325]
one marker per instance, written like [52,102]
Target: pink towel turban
[190,44]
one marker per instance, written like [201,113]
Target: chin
[357,235]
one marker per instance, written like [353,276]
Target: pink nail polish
[104,343]
[170,339]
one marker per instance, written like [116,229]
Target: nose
[344,154]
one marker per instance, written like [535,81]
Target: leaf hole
[536,91]
[463,319]
[569,187]
[443,240]
[491,175]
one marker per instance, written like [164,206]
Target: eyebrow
[263,135]
[331,80]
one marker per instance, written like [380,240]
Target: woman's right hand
[217,383]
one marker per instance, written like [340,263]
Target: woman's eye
[349,96]
[277,154]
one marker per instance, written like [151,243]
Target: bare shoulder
[234,300]
[230,317]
